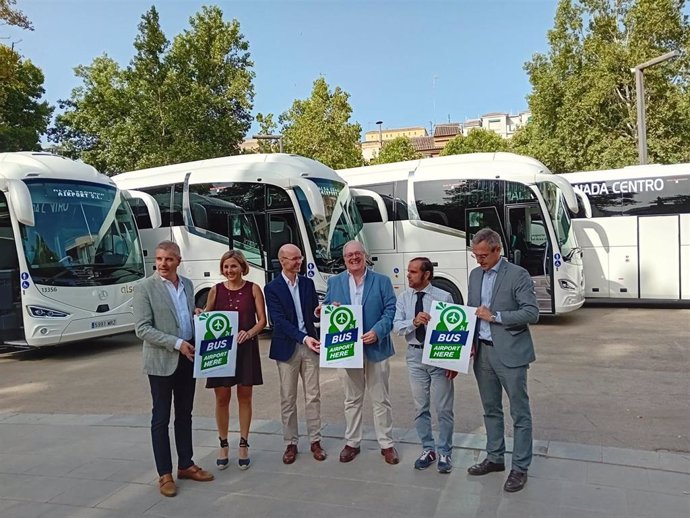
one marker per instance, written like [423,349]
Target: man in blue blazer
[291,299]
[506,302]
[374,292]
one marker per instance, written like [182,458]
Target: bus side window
[368,209]
[480,218]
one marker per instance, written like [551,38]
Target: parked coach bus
[637,243]
[253,203]
[70,255]
[433,207]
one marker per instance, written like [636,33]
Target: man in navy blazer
[291,299]
[374,292]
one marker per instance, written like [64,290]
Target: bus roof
[27,164]
[478,165]
[277,168]
[632,171]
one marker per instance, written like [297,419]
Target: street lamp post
[639,92]
[279,138]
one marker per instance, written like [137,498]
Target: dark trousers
[492,378]
[178,387]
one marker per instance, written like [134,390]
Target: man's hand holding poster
[341,337]
[448,340]
[216,344]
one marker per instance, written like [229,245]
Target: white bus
[433,207]
[254,203]
[637,243]
[70,255]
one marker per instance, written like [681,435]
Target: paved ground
[603,376]
[100,466]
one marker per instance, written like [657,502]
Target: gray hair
[170,247]
[353,243]
[490,237]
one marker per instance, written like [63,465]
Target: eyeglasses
[353,254]
[480,257]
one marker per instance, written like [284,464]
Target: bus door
[528,246]
[11,325]
[476,219]
[277,227]
[659,233]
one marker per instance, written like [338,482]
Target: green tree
[10,15]
[399,149]
[583,93]
[319,128]
[176,102]
[267,127]
[478,140]
[23,116]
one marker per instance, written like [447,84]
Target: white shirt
[294,292]
[356,292]
[179,298]
[405,309]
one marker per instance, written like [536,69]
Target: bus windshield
[84,235]
[558,213]
[332,220]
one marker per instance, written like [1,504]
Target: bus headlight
[567,284]
[41,312]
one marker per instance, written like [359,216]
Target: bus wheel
[448,286]
[201,299]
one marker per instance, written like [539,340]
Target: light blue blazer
[378,309]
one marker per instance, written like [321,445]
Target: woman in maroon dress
[236,294]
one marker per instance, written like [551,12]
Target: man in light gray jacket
[164,306]
[506,302]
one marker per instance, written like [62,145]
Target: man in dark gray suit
[164,306]
[506,301]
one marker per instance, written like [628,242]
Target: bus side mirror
[151,206]
[20,198]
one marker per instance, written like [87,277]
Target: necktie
[420,332]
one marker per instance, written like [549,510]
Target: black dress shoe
[484,467]
[515,482]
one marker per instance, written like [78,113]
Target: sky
[406,63]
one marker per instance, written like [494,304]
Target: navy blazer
[378,309]
[281,309]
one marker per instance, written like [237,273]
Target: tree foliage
[10,15]
[319,127]
[399,149]
[23,117]
[478,140]
[583,100]
[176,102]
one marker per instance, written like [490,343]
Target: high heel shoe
[244,463]
[222,463]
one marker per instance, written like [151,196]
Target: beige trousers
[303,363]
[374,378]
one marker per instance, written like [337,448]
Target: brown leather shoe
[348,453]
[290,454]
[318,452]
[391,455]
[167,485]
[194,472]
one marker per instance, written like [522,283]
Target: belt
[417,346]
[486,342]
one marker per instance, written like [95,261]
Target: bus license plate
[103,323]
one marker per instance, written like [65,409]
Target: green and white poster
[448,340]
[216,344]
[341,337]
